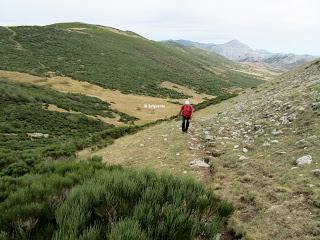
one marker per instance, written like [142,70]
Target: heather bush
[142,205]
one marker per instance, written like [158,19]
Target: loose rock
[307,159]
[199,163]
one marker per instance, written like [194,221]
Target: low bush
[126,204]
[28,203]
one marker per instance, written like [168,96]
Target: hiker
[186,112]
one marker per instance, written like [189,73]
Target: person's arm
[181,109]
[193,109]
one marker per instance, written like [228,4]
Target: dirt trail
[161,147]
[18,45]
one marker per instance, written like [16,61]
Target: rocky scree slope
[264,150]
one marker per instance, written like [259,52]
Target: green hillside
[46,193]
[114,59]
[29,133]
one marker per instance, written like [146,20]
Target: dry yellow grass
[131,104]
[114,121]
[195,97]
[260,70]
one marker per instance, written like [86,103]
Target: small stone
[316,172]
[236,146]
[184,172]
[141,144]
[284,120]
[199,163]
[177,154]
[307,159]
[281,152]
[208,137]
[294,168]
[38,135]
[245,150]
[276,132]
[218,236]
[274,141]
[315,106]
[165,139]
[266,144]
[243,158]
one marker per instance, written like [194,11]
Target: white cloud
[286,25]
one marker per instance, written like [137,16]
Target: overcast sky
[276,25]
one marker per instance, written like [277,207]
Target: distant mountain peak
[237,44]
[239,52]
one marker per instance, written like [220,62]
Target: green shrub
[28,203]
[143,203]
[127,229]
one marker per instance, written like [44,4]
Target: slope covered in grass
[264,148]
[29,133]
[114,59]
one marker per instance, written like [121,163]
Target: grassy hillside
[256,144]
[114,59]
[29,133]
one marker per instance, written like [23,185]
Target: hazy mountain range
[240,52]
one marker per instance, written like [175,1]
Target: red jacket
[187,110]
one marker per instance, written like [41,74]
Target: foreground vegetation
[108,203]
[115,59]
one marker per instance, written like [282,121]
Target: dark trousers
[185,124]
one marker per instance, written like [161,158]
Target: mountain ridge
[237,51]
[117,59]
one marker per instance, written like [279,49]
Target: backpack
[187,110]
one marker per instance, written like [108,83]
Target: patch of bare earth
[113,121]
[145,108]
[133,105]
[263,71]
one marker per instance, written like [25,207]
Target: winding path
[12,38]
